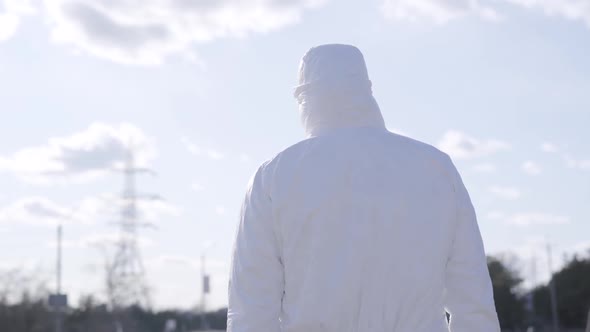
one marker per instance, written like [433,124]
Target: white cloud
[147,31]
[37,211]
[549,147]
[104,240]
[81,156]
[220,210]
[461,146]
[91,210]
[485,168]
[8,25]
[191,147]
[509,193]
[531,245]
[443,11]
[578,10]
[439,11]
[245,158]
[193,262]
[11,15]
[495,215]
[581,164]
[529,218]
[533,257]
[200,151]
[580,249]
[150,210]
[197,187]
[153,211]
[531,168]
[214,154]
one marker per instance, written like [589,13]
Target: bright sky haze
[203,91]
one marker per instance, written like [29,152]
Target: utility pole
[530,298]
[204,291]
[58,324]
[58,269]
[534,271]
[552,292]
[58,301]
[206,286]
[533,284]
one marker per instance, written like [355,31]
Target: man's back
[359,229]
[366,220]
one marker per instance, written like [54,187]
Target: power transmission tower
[126,284]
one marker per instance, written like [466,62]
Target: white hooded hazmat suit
[356,228]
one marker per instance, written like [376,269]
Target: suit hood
[334,90]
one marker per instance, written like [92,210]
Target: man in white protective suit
[356,228]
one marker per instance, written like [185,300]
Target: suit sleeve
[256,277]
[468,292]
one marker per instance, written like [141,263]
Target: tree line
[23,305]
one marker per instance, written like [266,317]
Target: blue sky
[204,92]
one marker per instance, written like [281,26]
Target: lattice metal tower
[126,284]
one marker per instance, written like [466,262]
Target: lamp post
[206,286]
[552,292]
